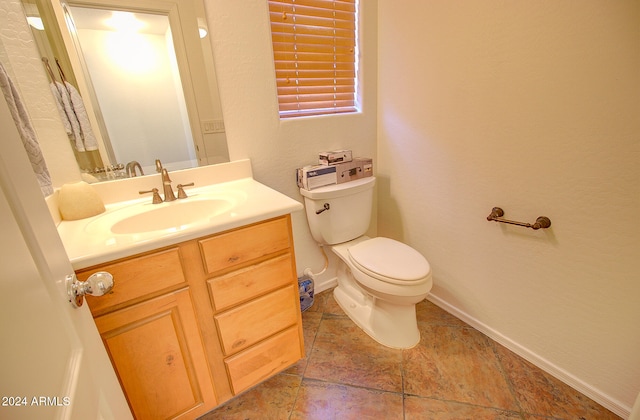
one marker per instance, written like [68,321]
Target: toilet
[380,280]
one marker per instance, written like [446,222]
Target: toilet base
[391,325]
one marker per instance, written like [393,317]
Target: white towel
[74,116]
[88,138]
[69,120]
[27,133]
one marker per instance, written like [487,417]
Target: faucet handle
[181,193]
[156,197]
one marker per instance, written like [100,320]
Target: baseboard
[595,394]
[320,285]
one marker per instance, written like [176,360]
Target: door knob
[97,284]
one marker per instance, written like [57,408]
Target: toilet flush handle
[326,206]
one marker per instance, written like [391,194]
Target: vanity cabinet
[254,295]
[189,326]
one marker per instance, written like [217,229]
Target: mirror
[147,86]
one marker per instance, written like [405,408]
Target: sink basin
[141,218]
[224,197]
[172,216]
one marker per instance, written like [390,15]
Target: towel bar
[497,213]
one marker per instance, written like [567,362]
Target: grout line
[506,377]
[382,391]
[308,359]
[402,377]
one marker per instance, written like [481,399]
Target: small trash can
[305,284]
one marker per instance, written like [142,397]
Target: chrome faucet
[166,185]
[131,168]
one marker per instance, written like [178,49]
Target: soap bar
[79,201]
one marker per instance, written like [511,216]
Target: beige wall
[533,106]
[244,63]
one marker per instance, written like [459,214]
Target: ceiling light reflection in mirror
[136,51]
[126,43]
[36,22]
[124,22]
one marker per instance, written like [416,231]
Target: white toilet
[380,280]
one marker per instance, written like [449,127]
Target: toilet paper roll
[79,201]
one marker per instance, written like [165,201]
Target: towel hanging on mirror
[72,111]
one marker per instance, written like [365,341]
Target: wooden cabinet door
[158,354]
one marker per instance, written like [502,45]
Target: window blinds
[314,47]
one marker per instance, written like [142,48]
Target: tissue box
[316,176]
[356,169]
[335,157]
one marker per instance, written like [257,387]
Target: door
[53,364]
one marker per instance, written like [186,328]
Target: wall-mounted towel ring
[497,213]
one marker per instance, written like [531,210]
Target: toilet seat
[390,261]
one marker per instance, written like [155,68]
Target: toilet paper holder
[541,222]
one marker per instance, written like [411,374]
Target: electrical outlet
[212,126]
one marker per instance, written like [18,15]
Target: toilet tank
[348,214]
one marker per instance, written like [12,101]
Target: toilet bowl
[380,280]
[379,291]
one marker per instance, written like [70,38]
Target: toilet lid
[390,259]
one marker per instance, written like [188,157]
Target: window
[314,48]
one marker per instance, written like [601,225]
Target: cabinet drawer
[137,277]
[251,282]
[245,325]
[239,246]
[267,358]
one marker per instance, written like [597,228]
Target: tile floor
[454,373]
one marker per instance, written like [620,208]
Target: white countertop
[88,242]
